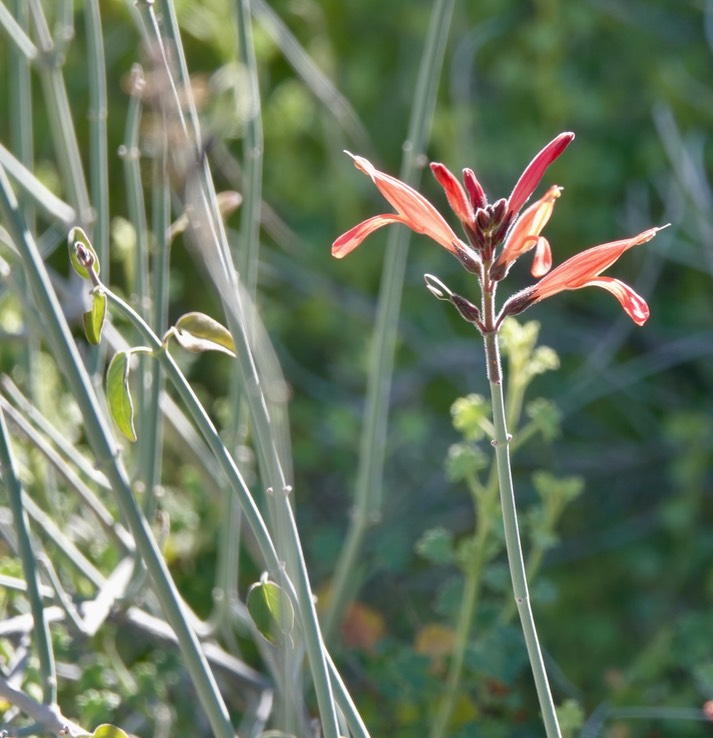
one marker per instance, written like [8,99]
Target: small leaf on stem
[199,332]
[271,610]
[94,318]
[118,395]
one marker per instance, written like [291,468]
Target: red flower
[525,235]
[412,209]
[583,270]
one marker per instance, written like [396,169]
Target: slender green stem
[90,501]
[252,156]
[16,34]
[271,448]
[60,116]
[47,716]
[301,589]
[62,543]
[512,538]
[368,492]
[103,445]
[98,149]
[40,630]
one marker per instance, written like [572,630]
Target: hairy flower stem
[512,536]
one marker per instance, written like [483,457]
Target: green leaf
[78,239]
[94,318]
[546,417]
[118,396]
[271,610]
[471,416]
[199,332]
[436,545]
[570,717]
[464,462]
[109,731]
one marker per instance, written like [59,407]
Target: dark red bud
[466,309]
[482,220]
[498,210]
[475,190]
[519,302]
[469,259]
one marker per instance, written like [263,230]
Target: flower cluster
[497,234]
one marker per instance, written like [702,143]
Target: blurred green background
[625,604]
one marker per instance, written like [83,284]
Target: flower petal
[348,241]
[634,305]
[532,175]
[542,262]
[525,235]
[417,212]
[579,269]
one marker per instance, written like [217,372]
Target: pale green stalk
[369,485]
[16,34]
[90,501]
[269,444]
[43,641]
[62,543]
[253,145]
[60,116]
[247,260]
[512,538]
[67,449]
[100,438]
[98,148]
[301,590]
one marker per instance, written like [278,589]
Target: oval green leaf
[77,237]
[118,395]
[271,610]
[94,318]
[199,332]
[109,731]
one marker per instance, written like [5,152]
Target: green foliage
[436,546]
[198,332]
[119,396]
[271,610]
[472,417]
[94,318]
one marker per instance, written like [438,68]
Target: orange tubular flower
[583,270]
[412,209]
[525,235]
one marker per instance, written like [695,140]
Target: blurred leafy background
[626,611]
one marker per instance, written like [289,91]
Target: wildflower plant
[496,235]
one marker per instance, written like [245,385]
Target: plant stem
[107,455]
[512,538]
[367,506]
[41,631]
[300,590]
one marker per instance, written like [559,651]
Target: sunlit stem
[513,546]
